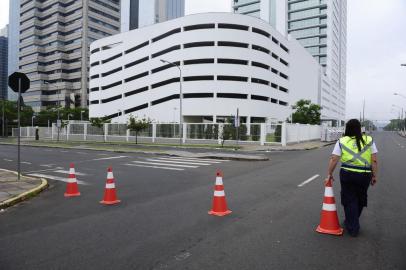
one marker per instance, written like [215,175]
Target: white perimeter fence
[201,133]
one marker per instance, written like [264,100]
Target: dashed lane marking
[155,167]
[178,162]
[165,164]
[308,180]
[47,165]
[26,162]
[45,170]
[8,160]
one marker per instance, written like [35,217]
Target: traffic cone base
[110,202]
[338,231]
[219,214]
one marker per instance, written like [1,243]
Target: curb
[25,195]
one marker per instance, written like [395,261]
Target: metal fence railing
[207,133]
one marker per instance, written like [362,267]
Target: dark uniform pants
[354,187]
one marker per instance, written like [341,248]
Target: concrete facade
[54,47]
[228,61]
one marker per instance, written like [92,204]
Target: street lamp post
[180,98]
[403,96]
[81,115]
[32,121]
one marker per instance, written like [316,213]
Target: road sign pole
[19,127]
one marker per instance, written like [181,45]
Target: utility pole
[363,112]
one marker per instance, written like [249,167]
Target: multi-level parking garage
[228,61]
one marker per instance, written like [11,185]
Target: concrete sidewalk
[291,147]
[13,191]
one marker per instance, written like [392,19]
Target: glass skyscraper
[140,13]
[3,67]
[321,27]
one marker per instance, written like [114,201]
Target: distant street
[162,222]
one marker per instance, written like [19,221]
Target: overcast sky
[376,48]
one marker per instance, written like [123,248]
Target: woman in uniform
[358,156]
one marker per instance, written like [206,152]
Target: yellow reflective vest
[354,160]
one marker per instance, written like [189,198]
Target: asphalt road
[162,222]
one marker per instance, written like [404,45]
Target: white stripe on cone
[110,185]
[71,170]
[110,175]
[72,180]
[219,193]
[329,207]
[328,192]
[219,181]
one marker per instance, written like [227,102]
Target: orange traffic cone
[110,196]
[329,219]
[219,199]
[72,189]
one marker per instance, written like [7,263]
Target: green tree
[306,112]
[137,125]
[227,131]
[10,114]
[99,123]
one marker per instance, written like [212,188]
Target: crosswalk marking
[165,164]
[107,158]
[47,165]
[191,160]
[53,177]
[155,167]
[67,172]
[177,162]
[201,159]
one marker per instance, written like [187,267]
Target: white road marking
[165,164]
[156,167]
[47,165]
[178,162]
[191,160]
[81,153]
[67,172]
[56,178]
[202,159]
[48,150]
[45,170]
[9,160]
[26,162]
[64,151]
[308,180]
[107,158]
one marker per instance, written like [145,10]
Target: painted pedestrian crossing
[57,174]
[173,163]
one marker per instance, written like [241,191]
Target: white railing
[199,133]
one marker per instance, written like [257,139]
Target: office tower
[321,27]
[271,11]
[54,47]
[139,13]
[13,41]
[3,64]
